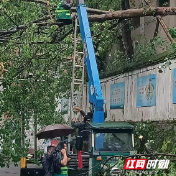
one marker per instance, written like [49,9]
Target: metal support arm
[95,91]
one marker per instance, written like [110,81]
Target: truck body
[118,140]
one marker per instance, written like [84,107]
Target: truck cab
[106,140]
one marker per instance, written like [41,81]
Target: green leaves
[34,79]
[144,54]
[39,73]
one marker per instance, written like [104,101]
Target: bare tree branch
[91,10]
[165,28]
[42,19]
[122,14]
[156,29]
[37,1]
[162,23]
[131,13]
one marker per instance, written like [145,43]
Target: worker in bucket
[63,12]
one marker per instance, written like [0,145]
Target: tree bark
[131,13]
[156,29]
[90,10]
[165,28]
[126,32]
[163,24]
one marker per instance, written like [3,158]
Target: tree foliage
[39,68]
[36,75]
[159,138]
[37,57]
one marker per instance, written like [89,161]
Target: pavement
[13,171]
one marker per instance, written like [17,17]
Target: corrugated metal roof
[115,125]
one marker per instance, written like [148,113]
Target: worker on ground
[66,148]
[60,161]
[64,168]
[63,12]
[48,161]
[81,129]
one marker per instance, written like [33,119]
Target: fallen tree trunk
[121,14]
[37,1]
[90,10]
[73,9]
[162,23]
[131,13]
[125,14]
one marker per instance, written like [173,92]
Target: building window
[164,3]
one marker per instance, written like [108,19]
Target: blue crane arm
[95,91]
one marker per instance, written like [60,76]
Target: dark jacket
[47,162]
[83,113]
[81,127]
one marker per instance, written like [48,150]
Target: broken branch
[163,24]
[37,1]
[90,10]
[131,13]
[165,29]
[122,14]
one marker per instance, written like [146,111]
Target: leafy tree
[36,75]
[39,69]
[37,55]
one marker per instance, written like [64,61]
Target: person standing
[66,148]
[60,161]
[82,128]
[48,160]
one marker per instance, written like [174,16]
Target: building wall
[147,25]
[164,108]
